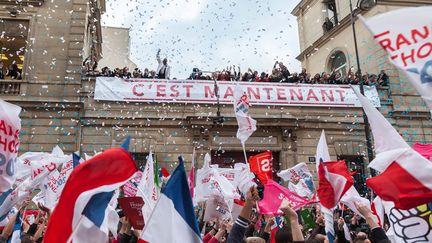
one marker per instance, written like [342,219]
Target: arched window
[338,63]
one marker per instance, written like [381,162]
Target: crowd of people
[279,74]
[248,227]
[12,72]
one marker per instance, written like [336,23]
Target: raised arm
[293,218]
[377,233]
[242,222]
[158,56]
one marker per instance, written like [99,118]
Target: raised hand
[287,209]
[410,225]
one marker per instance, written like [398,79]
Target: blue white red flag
[83,209]
[175,204]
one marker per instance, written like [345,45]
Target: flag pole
[194,165]
[244,153]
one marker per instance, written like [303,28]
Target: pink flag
[423,149]
[273,196]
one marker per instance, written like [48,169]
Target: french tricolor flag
[173,218]
[82,212]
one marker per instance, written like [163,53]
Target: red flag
[165,172]
[405,177]
[261,165]
[408,193]
[334,181]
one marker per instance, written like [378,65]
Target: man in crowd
[163,71]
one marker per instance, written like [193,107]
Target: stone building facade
[116,48]
[59,106]
[53,40]
[325,50]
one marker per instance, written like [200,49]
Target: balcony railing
[10,87]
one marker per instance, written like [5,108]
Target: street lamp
[364,5]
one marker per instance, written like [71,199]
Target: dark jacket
[238,230]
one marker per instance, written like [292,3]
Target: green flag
[308,221]
[156,171]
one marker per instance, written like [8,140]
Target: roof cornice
[301,6]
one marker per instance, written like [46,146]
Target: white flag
[406,34]
[240,176]
[322,152]
[10,126]
[147,188]
[37,165]
[217,208]
[412,225]
[352,196]
[210,183]
[11,197]
[55,183]
[300,180]
[246,124]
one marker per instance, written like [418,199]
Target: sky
[208,34]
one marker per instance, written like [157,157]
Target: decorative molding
[344,23]
[304,4]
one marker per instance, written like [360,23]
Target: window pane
[13,43]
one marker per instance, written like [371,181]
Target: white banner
[203,91]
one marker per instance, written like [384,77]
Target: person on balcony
[1,70]
[383,79]
[328,25]
[13,72]
[163,70]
